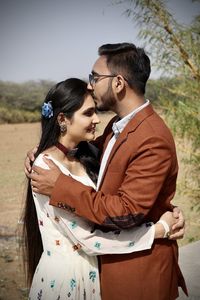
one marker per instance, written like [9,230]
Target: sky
[57,39]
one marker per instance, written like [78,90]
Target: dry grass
[15,141]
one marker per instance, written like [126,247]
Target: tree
[174,49]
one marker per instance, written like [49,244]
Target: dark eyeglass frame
[93,78]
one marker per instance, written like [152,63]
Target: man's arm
[134,199]
[142,183]
[44,181]
[96,242]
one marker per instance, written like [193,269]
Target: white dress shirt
[117,129]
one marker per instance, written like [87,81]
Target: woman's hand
[43,180]
[170,221]
[178,229]
[30,157]
[176,223]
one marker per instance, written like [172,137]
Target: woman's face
[81,127]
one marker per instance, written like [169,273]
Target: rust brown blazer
[138,185]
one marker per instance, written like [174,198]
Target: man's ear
[119,83]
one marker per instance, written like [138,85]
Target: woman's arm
[98,242]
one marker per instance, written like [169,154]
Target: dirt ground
[15,141]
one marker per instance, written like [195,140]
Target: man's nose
[89,87]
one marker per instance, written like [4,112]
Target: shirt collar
[118,126]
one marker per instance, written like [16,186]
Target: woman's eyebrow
[89,108]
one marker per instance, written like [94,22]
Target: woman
[59,267]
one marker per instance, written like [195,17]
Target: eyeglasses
[93,78]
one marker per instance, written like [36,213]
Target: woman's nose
[96,119]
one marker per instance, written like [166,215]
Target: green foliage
[177,98]
[174,50]
[173,47]
[22,102]
[182,116]
[13,116]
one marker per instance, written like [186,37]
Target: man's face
[102,85]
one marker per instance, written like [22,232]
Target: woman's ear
[61,118]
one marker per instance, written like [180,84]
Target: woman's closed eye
[89,112]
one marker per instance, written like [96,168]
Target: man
[137,178]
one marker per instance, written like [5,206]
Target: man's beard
[108,101]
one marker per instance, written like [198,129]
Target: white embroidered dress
[68,267]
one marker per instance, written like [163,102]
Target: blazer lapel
[130,127]
[109,135]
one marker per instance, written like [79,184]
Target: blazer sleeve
[143,181]
[94,242]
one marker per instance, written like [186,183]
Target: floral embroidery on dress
[41,222]
[48,253]
[73,224]
[57,242]
[39,295]
[52,283]
[56,219]
[72,283]
[77,247]
[131,244]
[92,275]
[97,245]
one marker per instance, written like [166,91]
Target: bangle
[166,227]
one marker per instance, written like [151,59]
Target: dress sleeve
[97,242]
[113,242]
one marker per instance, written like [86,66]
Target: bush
[18,116]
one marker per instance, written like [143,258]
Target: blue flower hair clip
[47,110]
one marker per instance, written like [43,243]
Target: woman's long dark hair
[67,97]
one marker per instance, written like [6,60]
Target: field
[15,141]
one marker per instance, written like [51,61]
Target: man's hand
[178,229]
[30,157]
[42,180]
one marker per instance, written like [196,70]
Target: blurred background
[43,42]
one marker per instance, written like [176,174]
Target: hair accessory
[47,110]
[66,151]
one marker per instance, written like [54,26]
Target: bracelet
[166,227]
